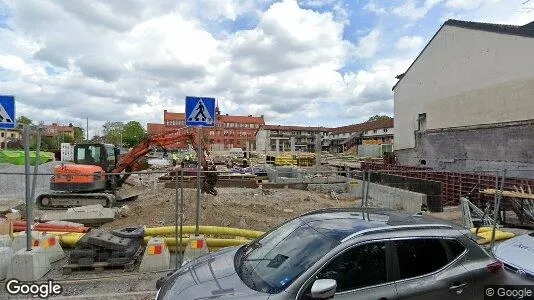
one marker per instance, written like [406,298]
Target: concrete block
[396,198]
[156,257]
[5,241]
[29,265]
[19,241]
[196,247]
[87,208]
[5,260]
[89,217]
[51,246]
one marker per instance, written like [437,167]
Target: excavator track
[68,200]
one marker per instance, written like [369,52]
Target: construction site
[123,213]
[98,244]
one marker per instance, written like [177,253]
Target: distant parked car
[348,253]
[517,254]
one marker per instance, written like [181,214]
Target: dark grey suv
[347,253]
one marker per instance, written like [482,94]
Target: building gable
[526,30]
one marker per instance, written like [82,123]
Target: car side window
[362,266]
[455,247]
[418,257]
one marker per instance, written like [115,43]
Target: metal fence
[405,189]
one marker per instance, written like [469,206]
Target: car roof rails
[396,227]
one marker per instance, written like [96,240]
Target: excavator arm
[183,137]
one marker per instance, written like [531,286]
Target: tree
[133,133]
[24,120]
[79,134]
[378,117]
[112,132]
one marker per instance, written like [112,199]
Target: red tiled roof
[241,119]
[295,128]
[379,124]
[173,116]
[56,128]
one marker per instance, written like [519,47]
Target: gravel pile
[12,186]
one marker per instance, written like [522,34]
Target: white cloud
[410,10]
[371,6]
[368,45]
[409,43]
[464,4]
[288,37]
[117,61]
[317,3]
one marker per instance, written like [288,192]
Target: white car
[517,255]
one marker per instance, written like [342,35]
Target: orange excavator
[98,172]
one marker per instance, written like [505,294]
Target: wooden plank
[510,194]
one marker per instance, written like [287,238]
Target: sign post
[199,112]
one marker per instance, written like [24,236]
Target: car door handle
[457,287]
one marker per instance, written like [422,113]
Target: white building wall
[466,77]
[379,132]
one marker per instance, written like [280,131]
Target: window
[2,134]
[281,256]
[419,257]
[361,266]
[12,135]
[385,130]
[88,154]
[455,247]
[374,131]
[421,122]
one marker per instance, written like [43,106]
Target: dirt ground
[255,209]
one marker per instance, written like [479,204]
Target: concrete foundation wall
[508,147]
[369,151]
[389,197]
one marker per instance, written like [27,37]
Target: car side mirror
[323,289]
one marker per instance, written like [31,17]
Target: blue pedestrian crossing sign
[7,112]
[199,111]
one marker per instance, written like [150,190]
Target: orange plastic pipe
[49,229]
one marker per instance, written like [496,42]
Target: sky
[307,62]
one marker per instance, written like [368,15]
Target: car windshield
[274,261]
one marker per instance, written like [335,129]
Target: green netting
[16,157]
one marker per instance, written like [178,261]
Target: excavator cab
[102,155]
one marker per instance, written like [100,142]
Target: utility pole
[87,126]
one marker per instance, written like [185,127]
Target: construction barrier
[156,257]
[208,230]
[6,253]
[51,246]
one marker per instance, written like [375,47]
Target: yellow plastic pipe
[211,249]
[68,238]
[211,230]
[210,242]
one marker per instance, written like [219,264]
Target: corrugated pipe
[210,242]
[211,230]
